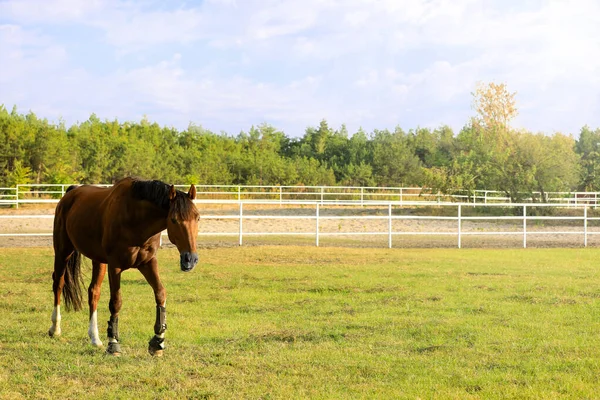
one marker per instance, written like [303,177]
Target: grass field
[302,322]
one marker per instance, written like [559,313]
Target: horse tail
[70,188]
[73,282]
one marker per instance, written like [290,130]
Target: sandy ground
[333,231]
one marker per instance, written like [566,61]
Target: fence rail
[51,193]
[388,208]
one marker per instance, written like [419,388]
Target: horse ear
[172,193]
[192,192]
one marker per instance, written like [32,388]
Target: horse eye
[173,220]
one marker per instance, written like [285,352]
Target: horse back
[79,219]
[90,197]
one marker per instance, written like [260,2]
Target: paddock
[320,322]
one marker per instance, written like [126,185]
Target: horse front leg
[114,305]
[98,272]
[156,345]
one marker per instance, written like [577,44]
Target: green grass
[304,322]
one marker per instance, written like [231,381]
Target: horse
[119,228]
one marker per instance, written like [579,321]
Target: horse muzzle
[188,261]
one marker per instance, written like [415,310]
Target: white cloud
[372,63]
[25,56]
[132,32]
[43,11]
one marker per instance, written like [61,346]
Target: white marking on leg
[93,330]
[55,328]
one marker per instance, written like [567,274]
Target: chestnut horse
[119,228]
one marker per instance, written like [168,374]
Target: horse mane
[157,192]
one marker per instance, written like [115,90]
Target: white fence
[390,213]
[47,193]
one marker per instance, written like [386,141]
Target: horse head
[182,226]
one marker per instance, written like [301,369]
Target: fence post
[459,226]
[390,225]
[239,193]
[17,196]
[585,224]
[280,195]
[241,223]
[524,226]
[62,190]
[317,235]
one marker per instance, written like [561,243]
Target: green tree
[486,149]
[424,143]
[312,173]
[552,161]
[358,175]
[394,164]
[20,175]
[588,150]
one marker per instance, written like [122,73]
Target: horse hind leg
[58,279]
[58,283]
[98,272]
[63,250]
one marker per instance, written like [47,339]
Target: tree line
[487,153]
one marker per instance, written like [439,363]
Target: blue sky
[231,64]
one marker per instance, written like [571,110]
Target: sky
[230,64]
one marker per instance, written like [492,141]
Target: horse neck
[150,218]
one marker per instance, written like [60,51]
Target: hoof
[95,340]
[155,352]
[53,332]
[156,346]
[114,349]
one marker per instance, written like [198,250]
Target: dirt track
[302,231]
